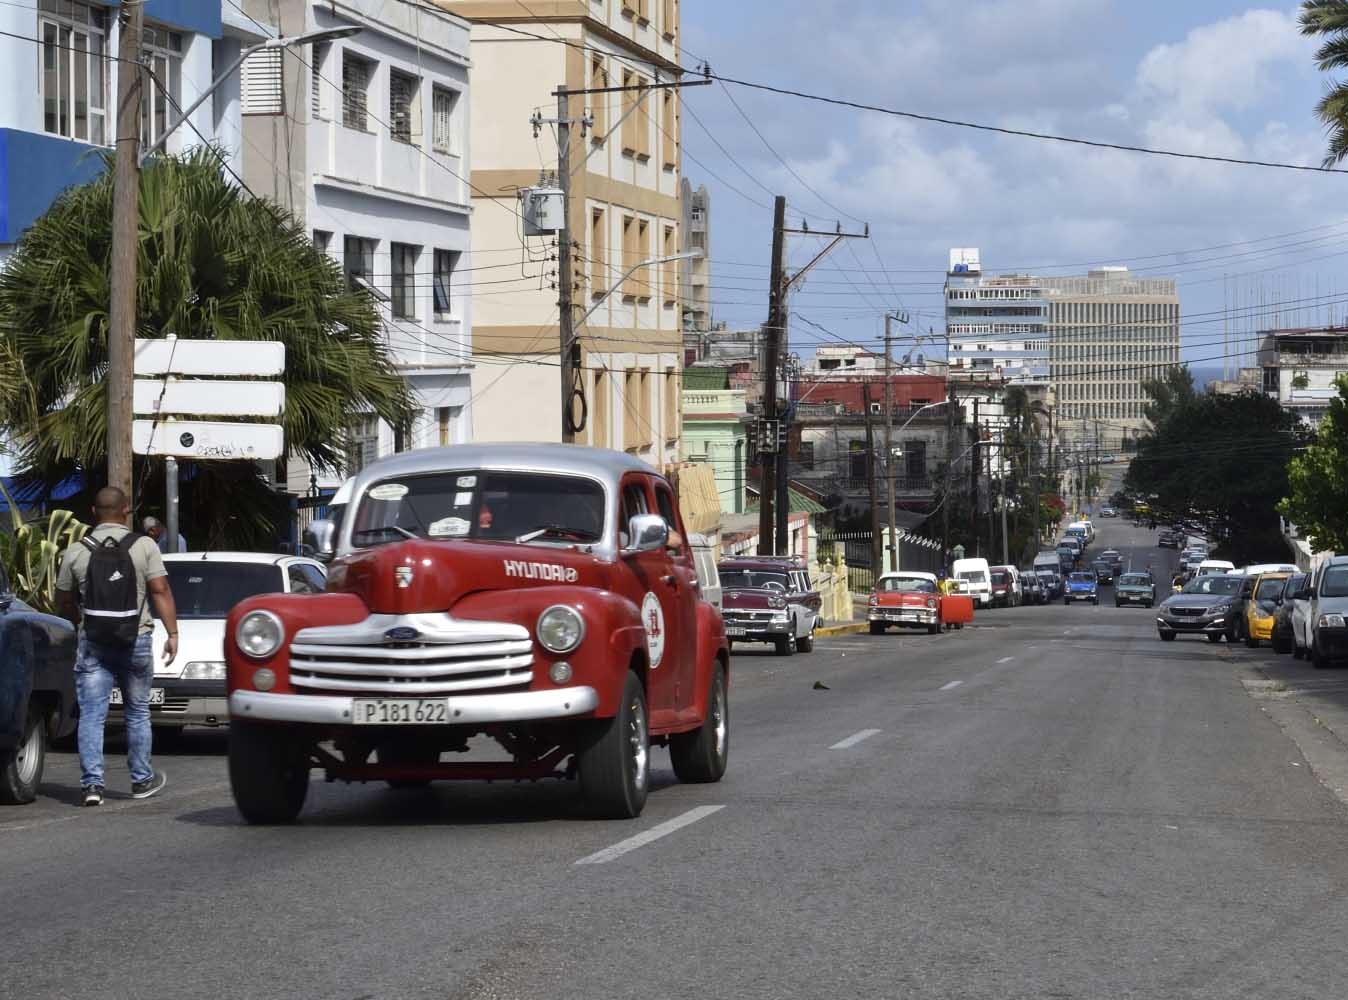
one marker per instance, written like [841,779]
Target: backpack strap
[129,540]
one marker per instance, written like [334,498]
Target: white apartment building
[366,139]
[1300,368]
[625,208]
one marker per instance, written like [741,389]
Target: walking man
[154,527]
[105,586]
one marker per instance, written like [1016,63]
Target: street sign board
[213,398]
[207,440]
[174,356]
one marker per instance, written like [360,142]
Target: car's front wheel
[21,769]
[805,644]
[614,763]
[268,772]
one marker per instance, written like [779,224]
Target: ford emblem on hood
[402,634]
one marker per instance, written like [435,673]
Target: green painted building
[715,431]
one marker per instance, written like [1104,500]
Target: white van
[1047,561]
[708,577]
[976,574]
[1214,566]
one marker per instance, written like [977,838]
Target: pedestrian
[105,586]
[153,527]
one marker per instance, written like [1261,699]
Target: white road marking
[951,686]
[854,739]
[654,833]
[1005,659]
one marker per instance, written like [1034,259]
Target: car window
[1082,577]
[1334,582]
[299,582]
[205,589]
[1213,584]
[665,502]
[753,579]
[1270,590]
[906,585]
[1295,584]
[1135,578]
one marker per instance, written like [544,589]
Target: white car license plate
[400,711]
[734,630]
[156,696]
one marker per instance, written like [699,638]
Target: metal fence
[914,553]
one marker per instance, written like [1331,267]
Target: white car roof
[268,558]
[903,574]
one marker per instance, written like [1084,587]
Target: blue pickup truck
[1081,587]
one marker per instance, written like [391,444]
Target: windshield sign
[484,506]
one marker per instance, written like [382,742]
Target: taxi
[541,596]
[1261,608]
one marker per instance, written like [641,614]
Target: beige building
[625,208]
[1108,332]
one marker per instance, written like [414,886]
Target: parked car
[1114,556]
[1135,588]
[1005,581]
[1031,591]
[1283,639]
[541,596]
[1261,606]
[1108,512]
[1169,539]
[1081,587]
[37,693]
[190,691]
[1052,582]
[1069,554]
[1214,566]
[1301,618]
[1208,605]
[1329,612]
[704,560]
[975,573]
[769,599]
[1104,570]
[906,599]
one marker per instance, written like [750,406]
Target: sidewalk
[1311,706]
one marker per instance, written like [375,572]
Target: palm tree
[214,263]
[1330,18]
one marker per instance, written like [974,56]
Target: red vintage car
[540,595]
[906,599]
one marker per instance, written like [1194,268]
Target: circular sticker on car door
[653,621]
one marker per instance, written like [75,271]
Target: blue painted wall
[34,169]
[202,16]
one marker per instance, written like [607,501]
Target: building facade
[996,326]
[716,432]
[59,106]
[695,273]
[365,139]
[1109,331]
[1300,368]
[625,209]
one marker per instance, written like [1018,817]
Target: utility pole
[785,418]
[569,347]
[877,552]
[767,480]
[975,470]
[893,539]
[949,460]
[1001,451]
[125,231]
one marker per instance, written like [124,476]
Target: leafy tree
[1317,499]
[1167,393]
[1329,19]
[1223,460]
[213,263]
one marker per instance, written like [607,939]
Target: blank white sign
[255,358]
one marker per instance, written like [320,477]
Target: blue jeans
[98,669]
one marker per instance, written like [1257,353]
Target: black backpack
[111,598]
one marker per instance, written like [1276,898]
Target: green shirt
[145,556]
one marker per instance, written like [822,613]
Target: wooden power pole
[889,444]
[125,228]
[877,551]
[569,349]
[772,362]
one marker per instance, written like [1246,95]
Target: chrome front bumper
[479,709]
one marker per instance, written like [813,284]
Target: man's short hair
[109,502]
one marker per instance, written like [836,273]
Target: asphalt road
[1049,804]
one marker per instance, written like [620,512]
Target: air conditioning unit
[543,209]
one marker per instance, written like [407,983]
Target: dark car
[1114,556]
[1052,584]
[1004,594]
[1283,640]
[1135,588]
[769,599]
[37,693]
[1068,555]
[1104,570]
[1081,587]
[1170,540]
[1208,605]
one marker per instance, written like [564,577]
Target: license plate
[400,711]
[156,696]
[734,630]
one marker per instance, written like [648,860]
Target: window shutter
[400,106]
[262,92]
[443,113]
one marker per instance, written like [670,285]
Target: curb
[852,628]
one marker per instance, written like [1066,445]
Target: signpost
[216,386]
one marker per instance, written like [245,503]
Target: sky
[1250,247]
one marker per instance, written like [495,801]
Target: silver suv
[1329,612]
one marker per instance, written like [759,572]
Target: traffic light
[770,436]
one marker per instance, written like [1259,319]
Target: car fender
[712,649]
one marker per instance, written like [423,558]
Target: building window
[857,459]
[669,141]
[629,288]
[74,82]
[443,103]
[643,274]
[670,276]
[599,107]
[355,92]
[631,390]
[322,240]
[445,262]
[446,418]
[670,24]
[671,404]
[645,430]
[362,443]
[599,409]
[598,253]
[404,280]
[358,262]
[805,455]
[402,106]
[316,63]
[161,96]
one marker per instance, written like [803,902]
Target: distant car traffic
[1135,588]
[1081,587]
[1104,570]
[1031,590]
[1208,605]
[1052,583]
[1108,512]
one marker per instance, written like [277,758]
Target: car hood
[1332,605]
[199,640]
[1200,600]
[903,600]
[750,600]
[1134,586]
[1080,585]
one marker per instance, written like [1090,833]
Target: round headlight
[560,629]
[259,634]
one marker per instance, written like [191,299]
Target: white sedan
[190,691]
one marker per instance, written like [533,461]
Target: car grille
[1188,612]
[447,657]
[748,617]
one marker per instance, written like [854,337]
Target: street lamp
[322,35]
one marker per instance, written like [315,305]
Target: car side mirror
[1302,595]
[320,539]
[646,533]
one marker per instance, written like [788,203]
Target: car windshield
[999,577]
[754,579]
[906,585]
[482,505]
[1270,590]
[1335,583]
[1215,584]
[1082,578]
[1134,579]
[203,588]
[972,575]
